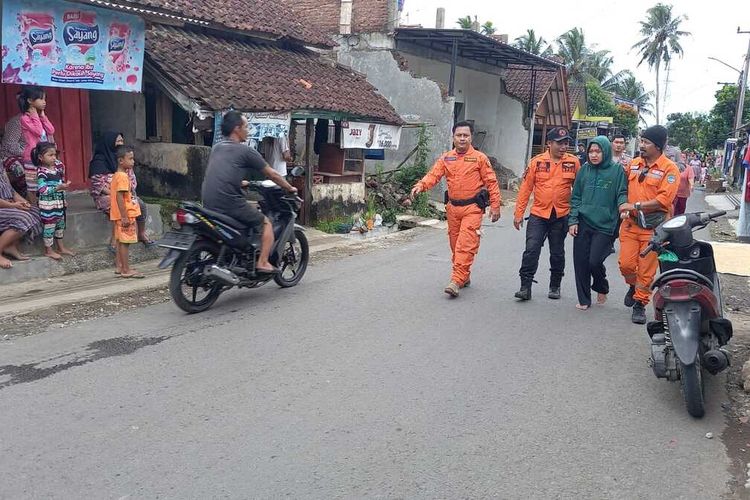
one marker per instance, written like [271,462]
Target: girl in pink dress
[36,128]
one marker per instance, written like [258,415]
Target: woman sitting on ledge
[18,219]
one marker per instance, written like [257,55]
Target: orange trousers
[637,270]
[464,224]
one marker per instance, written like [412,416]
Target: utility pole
[743,225]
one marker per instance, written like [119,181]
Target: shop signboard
[359,135]
[259,125]
[61,44]
[586,133]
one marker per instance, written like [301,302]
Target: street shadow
[100,349]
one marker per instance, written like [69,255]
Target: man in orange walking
[653,180]
[550,177]
[472,186]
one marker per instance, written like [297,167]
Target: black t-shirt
[228,166]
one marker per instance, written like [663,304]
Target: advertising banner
[61,44]
[260,125]
[358,135]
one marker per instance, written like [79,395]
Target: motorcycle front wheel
[293,261]
[190,288]
[691,380]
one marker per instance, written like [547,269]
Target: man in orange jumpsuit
[653,180]
[472,184]
[550,177]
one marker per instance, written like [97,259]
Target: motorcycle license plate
[177,240]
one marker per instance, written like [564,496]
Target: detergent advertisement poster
[60,44]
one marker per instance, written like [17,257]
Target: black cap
[656,134]
[558,134]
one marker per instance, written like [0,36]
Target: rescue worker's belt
[481,199]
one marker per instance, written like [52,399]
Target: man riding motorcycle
[222,187]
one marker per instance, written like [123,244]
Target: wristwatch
[638,205]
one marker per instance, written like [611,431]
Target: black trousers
[538,229]
[590,250]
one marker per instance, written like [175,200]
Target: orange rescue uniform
[660,182]
[466,175]
[552,184]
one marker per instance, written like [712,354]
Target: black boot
[524,293]
[554,292]
[629,300]
[639,314]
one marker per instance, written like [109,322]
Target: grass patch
[336,225]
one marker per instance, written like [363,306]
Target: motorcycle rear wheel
[691,380]
[187,278]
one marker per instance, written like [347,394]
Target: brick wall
[368,16]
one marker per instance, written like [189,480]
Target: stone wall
[171,170]
[336,200]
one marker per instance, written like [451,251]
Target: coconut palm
[661,40]
[571,46]
[631,89]
[465,23]
[488,28]
[531,43]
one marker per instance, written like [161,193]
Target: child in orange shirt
[123,211]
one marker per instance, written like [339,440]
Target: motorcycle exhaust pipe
[715,361]
[222,275]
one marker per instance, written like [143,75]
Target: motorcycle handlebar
[714,215]
[647,250]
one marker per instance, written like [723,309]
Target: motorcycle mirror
[298,171]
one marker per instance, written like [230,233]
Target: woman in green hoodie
[599,190]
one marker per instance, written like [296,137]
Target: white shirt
[280,145]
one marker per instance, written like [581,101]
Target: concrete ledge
[412,221]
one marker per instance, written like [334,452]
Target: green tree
[687,130]
[629,88]
[661,40]
[465,23]
[488,28]
[533,44]
[720,124]
[571,46]
[598,101]
[626,118]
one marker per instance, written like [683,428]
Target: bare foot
[581,307]
[5,263]
[601,298]
[66,251]
[16,253]
[52,254]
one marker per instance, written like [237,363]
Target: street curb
[84,288]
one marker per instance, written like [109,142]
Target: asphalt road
[364,381]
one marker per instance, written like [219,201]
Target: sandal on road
[137,276]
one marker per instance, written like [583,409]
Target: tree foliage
[687,130]
[532,43]
[599,102]
[661,40]
[626,118]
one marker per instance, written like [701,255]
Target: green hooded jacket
[598,192]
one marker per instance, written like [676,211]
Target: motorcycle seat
[240,226]
[685,274]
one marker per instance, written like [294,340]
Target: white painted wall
[500,115]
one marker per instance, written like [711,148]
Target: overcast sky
[615,26]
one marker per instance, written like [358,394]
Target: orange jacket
[552,184]
[660,183]
[466,174]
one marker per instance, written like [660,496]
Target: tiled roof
[220,73]
[576,94]
[518,83]
[260,17]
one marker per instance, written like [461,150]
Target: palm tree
[531,43]
[571,46]
[465,23]
[631,89]
[661,40]
[488,28]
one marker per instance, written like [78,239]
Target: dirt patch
[737,434]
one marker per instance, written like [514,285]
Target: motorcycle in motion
[690,331]
[212,253]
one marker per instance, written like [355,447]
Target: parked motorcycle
[212,253]
[690,331]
